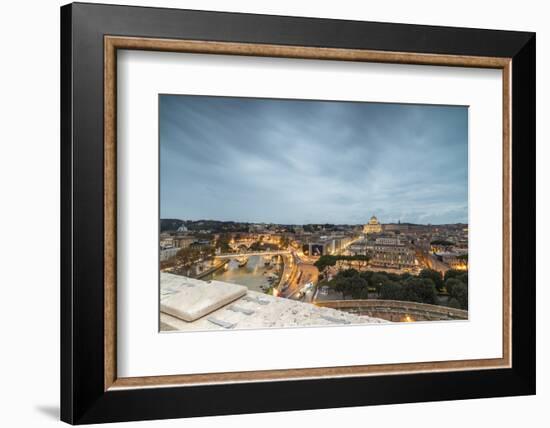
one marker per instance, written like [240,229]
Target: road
[305,272]
[431,261]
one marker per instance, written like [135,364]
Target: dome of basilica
[373,226]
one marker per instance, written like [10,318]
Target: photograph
[279,213]
[279,210]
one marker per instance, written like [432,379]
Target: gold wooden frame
[112,43]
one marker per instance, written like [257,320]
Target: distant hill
[217,226]
[170,224]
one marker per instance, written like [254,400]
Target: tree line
[427,287]
[187,257]
[326,261]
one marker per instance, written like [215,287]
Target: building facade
[391,252]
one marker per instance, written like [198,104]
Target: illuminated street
[304,273]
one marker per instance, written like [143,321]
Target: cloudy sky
[297,162]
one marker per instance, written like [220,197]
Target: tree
[339,285]
[441,242]
[223,243]
[166,264]
[391,290]
[414,289]
[404,276]
[366,275]
[450,283]
[324,262]
[348,273]
[463,278]
[435,276]
[356,285]
[453,273]
[454,303]
[364,293]
[420,290]
[392,276]
[377,280]
[459,292]
[187,256]
[404,287]
[350,283]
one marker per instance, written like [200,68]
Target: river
[253,275]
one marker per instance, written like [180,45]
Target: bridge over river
[252,253]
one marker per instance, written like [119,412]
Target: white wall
[29,177]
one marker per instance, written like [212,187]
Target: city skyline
[312,162]
[304,224]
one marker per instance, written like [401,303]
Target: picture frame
[91,390]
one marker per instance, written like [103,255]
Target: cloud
[294,161]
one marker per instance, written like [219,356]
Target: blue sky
[297,162]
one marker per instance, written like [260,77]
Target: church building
[373,226]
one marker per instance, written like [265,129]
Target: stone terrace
[252,310]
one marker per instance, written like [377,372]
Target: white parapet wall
[252,310]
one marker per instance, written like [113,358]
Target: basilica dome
[373,226]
